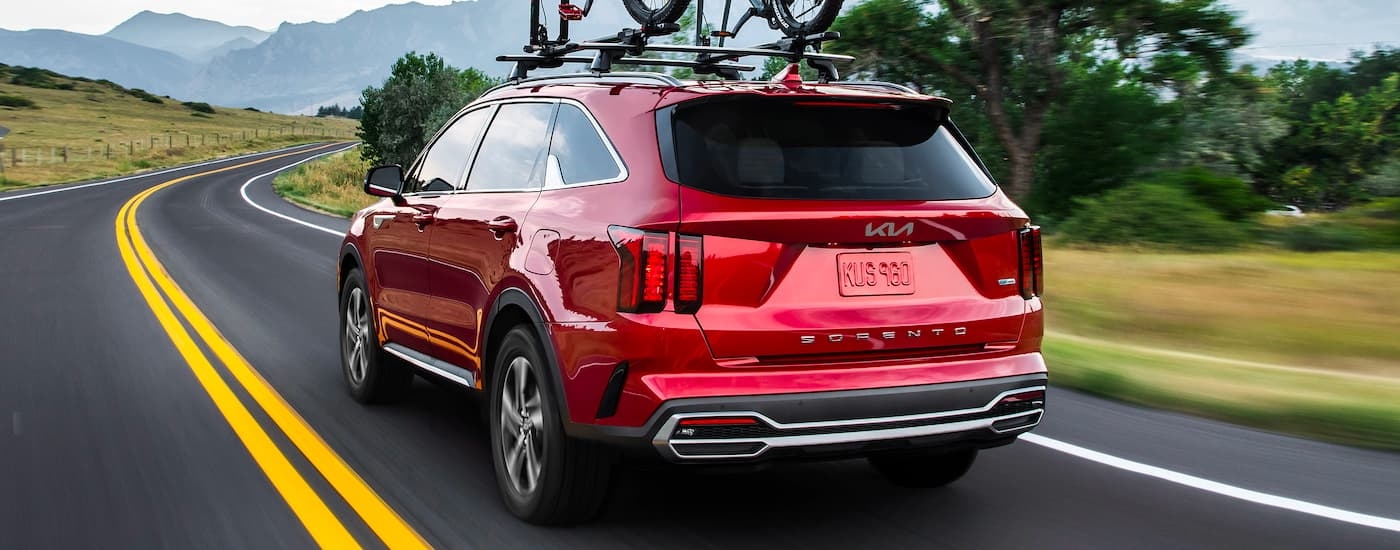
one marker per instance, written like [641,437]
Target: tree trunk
[1022,164]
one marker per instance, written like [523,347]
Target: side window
[583,154]
[447,157]
[512,155]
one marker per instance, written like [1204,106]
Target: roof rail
[612,78]
[881,85]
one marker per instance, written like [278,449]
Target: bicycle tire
[793,27]
[668,12]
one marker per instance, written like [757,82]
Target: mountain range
[299,67]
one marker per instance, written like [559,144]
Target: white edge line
[148,174]
[1216,487]
[244,191]
[1076,451]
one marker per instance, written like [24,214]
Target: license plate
[875,273]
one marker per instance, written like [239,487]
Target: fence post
[65,154]
[201,140]
[169,140]
[109,151]
[187,140]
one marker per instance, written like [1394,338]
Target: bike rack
[629,46]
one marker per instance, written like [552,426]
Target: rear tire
[656,12]
[924,469]
[545,477]
[804,17]
[372,375]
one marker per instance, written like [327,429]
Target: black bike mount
[629,47]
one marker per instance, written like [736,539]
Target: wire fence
[18,156]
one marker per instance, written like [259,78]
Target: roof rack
[630,45]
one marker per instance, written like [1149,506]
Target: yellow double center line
[323,525]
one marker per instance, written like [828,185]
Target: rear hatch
[842,230]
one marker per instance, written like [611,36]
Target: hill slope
[191,38]
[97,57]
[93,119]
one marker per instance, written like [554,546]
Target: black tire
[924,469]
[805,17]
[383,378]
[573,477]
[656,12]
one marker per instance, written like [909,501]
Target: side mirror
[385,181]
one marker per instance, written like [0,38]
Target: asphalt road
[110,440]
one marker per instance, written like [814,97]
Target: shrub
[199,107]
[1150,214]
[15,101]
[1385,182]
[1323,237]
[251,110]
[144,95]
[1230,196]
[31,77]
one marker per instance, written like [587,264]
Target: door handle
[422,219]
[502,225]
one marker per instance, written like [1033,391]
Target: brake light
[641,284]
[644,270]
[689,253]
[1032,263]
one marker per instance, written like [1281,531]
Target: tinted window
[447,158]
[785,149]
[512,156]
[583,155]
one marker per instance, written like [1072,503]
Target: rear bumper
[833,424]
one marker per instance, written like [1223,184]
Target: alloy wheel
[522,426]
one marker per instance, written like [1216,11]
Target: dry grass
[1333,317]
[1336,310]
[333,184]
[92,117]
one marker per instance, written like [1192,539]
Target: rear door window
[819,150]
[512,154]
[583,154]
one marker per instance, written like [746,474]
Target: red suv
[701,272]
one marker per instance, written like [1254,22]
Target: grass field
[1303,343]
[92,117]
[1292,342]
[332,184]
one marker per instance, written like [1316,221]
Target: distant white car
[1288,211]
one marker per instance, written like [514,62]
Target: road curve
[110,440]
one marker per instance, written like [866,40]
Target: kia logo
[888,229]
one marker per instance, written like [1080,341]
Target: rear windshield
[821,150]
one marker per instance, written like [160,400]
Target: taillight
[1032,263]
[641,283]
[644,274]
[689,252]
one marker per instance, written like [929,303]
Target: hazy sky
[1324,29]
[99,16]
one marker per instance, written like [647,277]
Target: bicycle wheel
[656,12]
[804,17]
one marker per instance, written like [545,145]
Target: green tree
[420,95]
[1107,130]
[1014,56]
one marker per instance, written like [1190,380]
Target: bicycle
[795,18]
